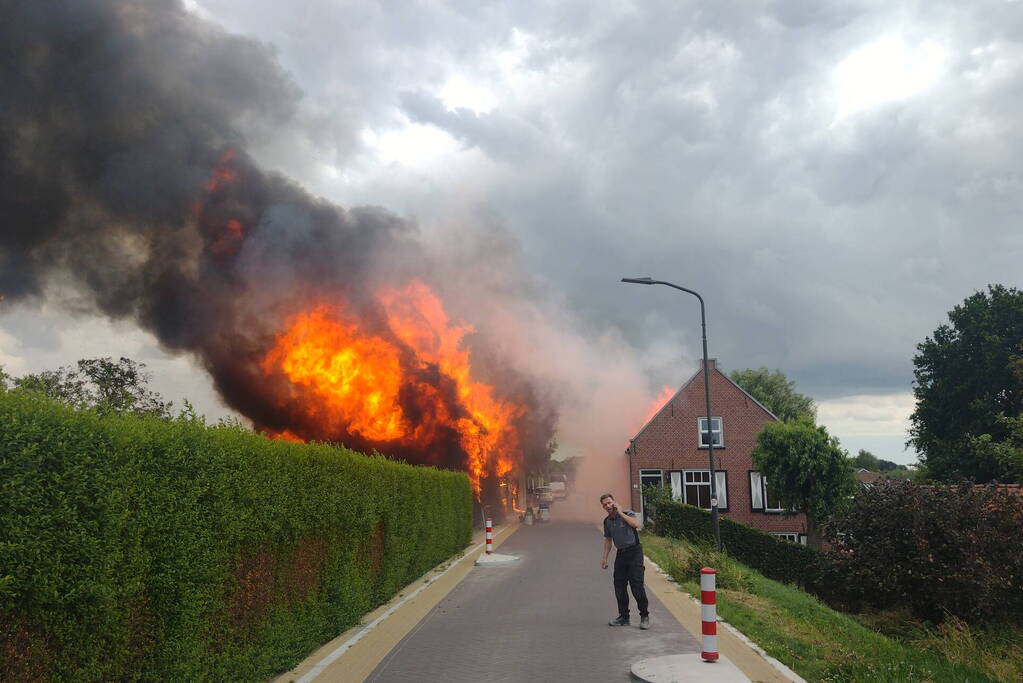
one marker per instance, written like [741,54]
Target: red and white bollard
[709,614]
[490,536]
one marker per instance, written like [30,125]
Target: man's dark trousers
[629,571]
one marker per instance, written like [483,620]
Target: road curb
[366,635]
[739,635]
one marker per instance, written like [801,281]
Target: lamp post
[706,389]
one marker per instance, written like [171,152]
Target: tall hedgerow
[134,547]
[938,550]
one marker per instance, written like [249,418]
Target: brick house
[671,450]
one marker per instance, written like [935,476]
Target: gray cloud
[695,142]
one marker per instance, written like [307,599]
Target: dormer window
[715,432]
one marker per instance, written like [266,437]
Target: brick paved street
[543,618]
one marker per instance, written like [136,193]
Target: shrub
[133,547]
[940,550]
[812,570]
[773,557]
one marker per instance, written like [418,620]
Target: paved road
[543,618]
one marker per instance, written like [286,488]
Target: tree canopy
[806,468]
[776,392]
[969,390]
[867,461]
[100,384]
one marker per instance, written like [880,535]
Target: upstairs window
[715,432]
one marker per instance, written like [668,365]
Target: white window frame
[678,484]
[700,431]
[758,493]
[790,536]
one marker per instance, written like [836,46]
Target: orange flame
[223,174]
[226,233]
[359,379]
[655,406]
[286,435]
[665,395]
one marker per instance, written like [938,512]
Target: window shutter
[676,485]
[756,491]
[722,486]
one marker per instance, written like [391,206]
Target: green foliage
[806,468]
[134,547]
[567,466]
[819,643]
[653,496]
[938,551]
[902,472]
[776,393]
[62,385]
[935,549]
[99,384]
[867,461]
[776,558]
[888,465]
[968,379]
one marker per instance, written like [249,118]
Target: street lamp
[706,389]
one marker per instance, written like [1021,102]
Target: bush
[773,557]
[939,550]
[134,547]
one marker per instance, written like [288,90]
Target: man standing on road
[621,527]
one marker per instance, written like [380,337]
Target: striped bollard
[490,536]
[709,614]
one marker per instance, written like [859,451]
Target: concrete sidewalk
[542,617]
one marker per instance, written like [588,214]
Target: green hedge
[773,557]
[134,548]
[937,550]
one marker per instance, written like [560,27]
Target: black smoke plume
[123,176]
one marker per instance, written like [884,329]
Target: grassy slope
[812,639]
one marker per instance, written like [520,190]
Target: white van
[559,486]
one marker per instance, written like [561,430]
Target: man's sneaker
[644,623]
[619,621]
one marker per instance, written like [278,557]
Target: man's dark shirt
[619,531]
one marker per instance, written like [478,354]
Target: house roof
[685,385]
[1016,489]
[866,476]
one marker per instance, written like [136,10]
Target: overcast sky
[832,177]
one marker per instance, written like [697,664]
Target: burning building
[126,184]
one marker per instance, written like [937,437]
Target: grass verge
[814,640]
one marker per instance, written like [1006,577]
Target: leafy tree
[121,387]
[567,466]
[867,461]
[776,393]
[903,473]
[969,389]
[63,385]
[807,469]
[100,384]
[888,466]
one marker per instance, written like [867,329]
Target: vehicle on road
[559,486]
[544,494]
